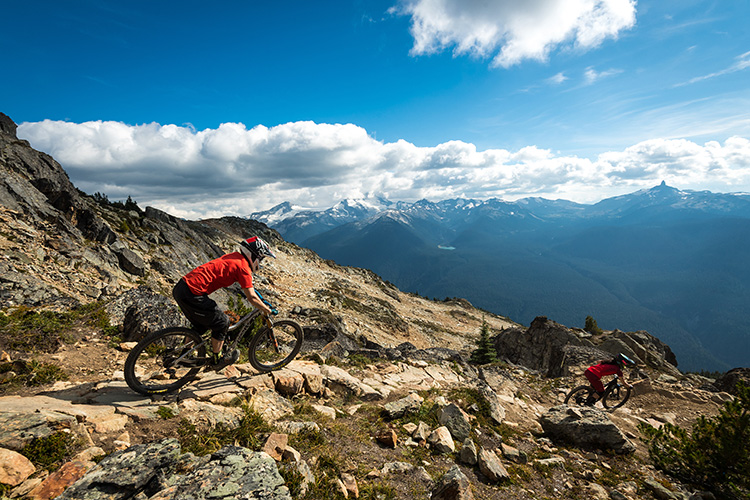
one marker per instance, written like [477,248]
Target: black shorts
[201,311]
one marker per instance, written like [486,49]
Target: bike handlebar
[274,311]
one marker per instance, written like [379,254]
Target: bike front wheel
[580,396]
[164,361]
[616,398]
[274,347]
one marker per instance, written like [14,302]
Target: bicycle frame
[243,325]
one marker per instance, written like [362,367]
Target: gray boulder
[540,347]
[403,406]
[157,470]
[454,485]
[124,474]
[139,321]
[585,427]
[456,420]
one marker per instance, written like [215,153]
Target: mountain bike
[168,359]
[615,395]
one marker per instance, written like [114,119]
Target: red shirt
[220,273]
[604,369]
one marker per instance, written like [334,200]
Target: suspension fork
[271,336]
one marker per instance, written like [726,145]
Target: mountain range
[669,261]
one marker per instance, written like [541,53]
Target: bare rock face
[555,350]
[728,382]
[540,347]
[68,248]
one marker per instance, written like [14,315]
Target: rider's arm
[253,298]
[625,382]
[622,378]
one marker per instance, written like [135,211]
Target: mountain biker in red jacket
[595,373]
[193,290]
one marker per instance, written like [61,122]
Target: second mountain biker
[193,290]
[595,373]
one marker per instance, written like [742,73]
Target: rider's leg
[216,345]
[198,309]
[204,314]
[596,383]
[219,327]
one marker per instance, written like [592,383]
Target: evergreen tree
[101,198]
[130,204]
[485,351]
[591,326]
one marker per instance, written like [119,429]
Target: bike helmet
[624,360]
[255,249]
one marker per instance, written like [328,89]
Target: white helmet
[255,249]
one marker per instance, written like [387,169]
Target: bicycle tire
[579,395]
[613,400]
[264,356]
[151,362]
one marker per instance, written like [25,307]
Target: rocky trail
[356,410]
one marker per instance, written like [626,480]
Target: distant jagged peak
[277,213]
[370,202]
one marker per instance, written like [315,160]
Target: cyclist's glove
[274,311]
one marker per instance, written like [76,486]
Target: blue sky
[205,109]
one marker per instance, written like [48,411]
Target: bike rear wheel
[274,347]
[580,396]
[164,361]
[616,397]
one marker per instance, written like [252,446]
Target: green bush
[715,454]
[50,452]
[250,433]
[30,373]
[485,351]
[591,326]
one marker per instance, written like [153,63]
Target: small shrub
[307,440]
[32,373]
[238,306]
[165,412]
[50,452]
[249,433]
[715,454]
[359,360]
[377,491]
[28,330]
[591,326]
[44,373]
[292,479]
[326,475]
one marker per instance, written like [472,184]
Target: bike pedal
[232,357]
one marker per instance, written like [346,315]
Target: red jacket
[220,273]
[604,369]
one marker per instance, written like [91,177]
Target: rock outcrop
[555,350]
[586,427]
[159,471]
[728,382]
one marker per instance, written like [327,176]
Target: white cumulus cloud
[233,170]
[509,31]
